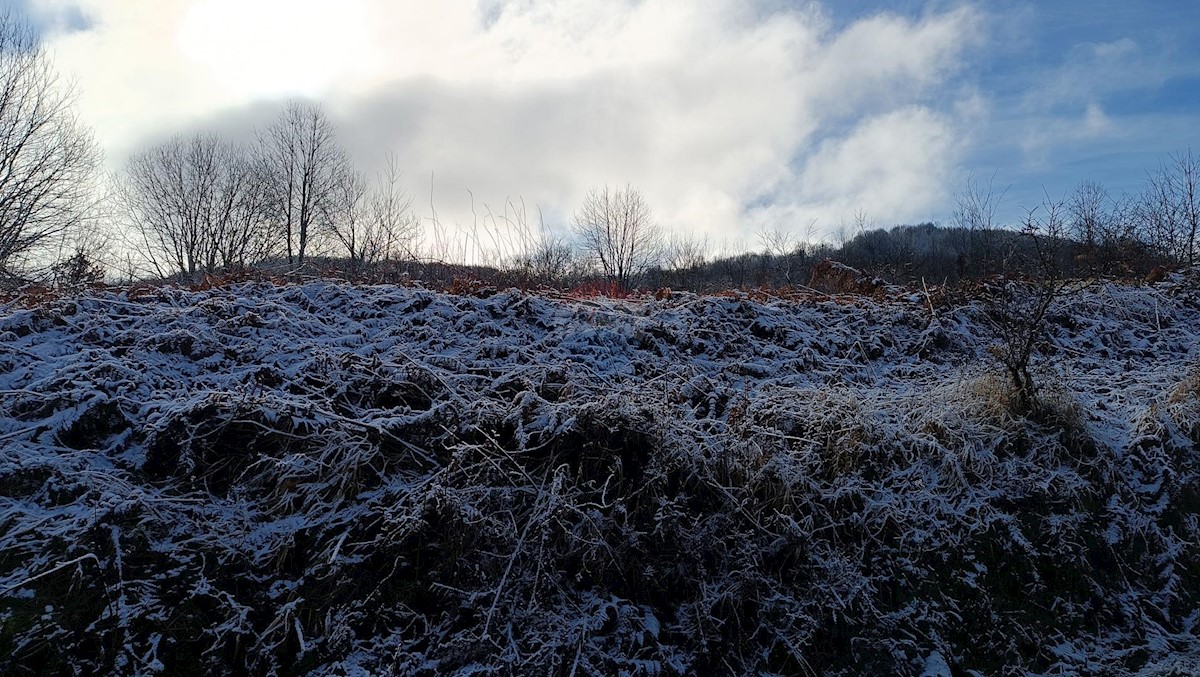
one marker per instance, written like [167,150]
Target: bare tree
[1170,208]
[350,226]
[975,207]
[782,252]
[686,251]
[685,259]
[197,206]
[396,228]
[48,160]
[617,229]
[867,240]
[1089,213]
[306,174]
[375,223]
[1125,239]
[1156,214]
[1108,232]
[975,213]
[777,241]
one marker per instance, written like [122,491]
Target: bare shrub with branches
[1110,234]
[50,160]
[550,260]
[82,264]
[1019,311]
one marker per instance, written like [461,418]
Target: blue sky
[1045,64]
[731,116]
[1138,63]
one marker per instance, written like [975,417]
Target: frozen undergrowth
[336,480]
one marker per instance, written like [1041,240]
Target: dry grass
[430,484]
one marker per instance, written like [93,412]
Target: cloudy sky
[729,115]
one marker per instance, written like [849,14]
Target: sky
[730,116]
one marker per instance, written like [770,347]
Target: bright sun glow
[277,47]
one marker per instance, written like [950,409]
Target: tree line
[200,204]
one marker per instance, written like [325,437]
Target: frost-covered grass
[331,479]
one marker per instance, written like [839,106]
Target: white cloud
[708,107]
[873,168]
[1095,122]
[1042,144]
[885,60]
[273,47]
[898,165]
[1063,106]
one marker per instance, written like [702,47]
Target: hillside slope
[331,479]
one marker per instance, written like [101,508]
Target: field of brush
[338,480]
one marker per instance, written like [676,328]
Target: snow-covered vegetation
[331,479]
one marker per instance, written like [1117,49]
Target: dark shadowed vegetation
[326,479]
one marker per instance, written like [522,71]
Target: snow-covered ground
[353,480]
